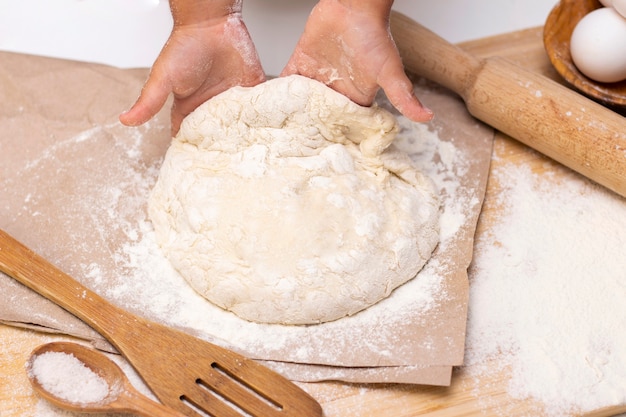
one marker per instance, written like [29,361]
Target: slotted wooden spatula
[185,373]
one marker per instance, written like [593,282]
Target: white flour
[165,295]
[109,198]
[138,278]
[548,293]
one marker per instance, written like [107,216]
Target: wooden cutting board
[465,397]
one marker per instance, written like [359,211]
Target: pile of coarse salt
[68,378]
[548,293]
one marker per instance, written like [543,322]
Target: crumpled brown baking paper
[63,155]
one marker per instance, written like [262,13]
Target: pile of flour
[548,293]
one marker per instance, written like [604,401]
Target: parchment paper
[73,187]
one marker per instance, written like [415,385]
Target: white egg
[598,45]
[607,3]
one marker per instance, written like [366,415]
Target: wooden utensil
[556,38]
[187,374]
[122,397]
[556,121]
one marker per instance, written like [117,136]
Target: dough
[285,203]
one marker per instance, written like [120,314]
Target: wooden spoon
[556,38]
[185,373]
[122,397]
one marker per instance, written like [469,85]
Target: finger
[151,99]
[399,90]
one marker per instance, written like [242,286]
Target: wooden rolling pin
[554,120]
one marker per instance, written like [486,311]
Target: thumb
[153,96]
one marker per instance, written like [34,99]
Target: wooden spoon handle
[24,265]
[131,401]
[548,117]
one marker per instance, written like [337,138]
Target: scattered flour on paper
[137,277]
[548,293]
[548,282]
[165,295]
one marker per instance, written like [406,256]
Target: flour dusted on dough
[287,203]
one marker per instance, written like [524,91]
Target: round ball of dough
[285,203]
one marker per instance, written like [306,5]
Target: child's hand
[348,46]
[200,60]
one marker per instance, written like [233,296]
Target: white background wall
[130,33]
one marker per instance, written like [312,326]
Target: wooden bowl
[556,38]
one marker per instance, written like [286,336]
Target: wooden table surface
[465,396]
